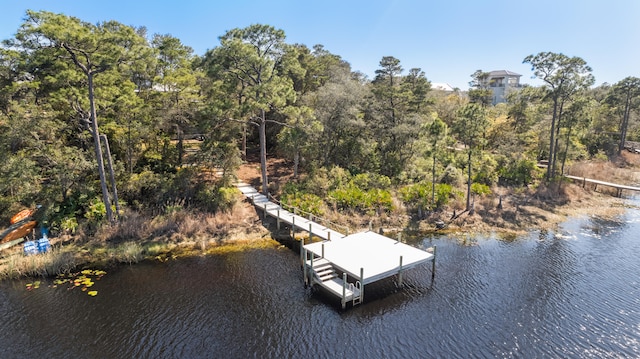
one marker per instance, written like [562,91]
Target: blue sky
[447,39]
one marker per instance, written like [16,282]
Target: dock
[340,263]
[618,187]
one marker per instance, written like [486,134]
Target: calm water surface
[571,294]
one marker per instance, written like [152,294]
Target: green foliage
[480,189]
[453,176]
[69,224]
[352,197]
[213,198]
[485,170]
[521,172]
[419,195]
[306,202]
[371,181]
[96,211]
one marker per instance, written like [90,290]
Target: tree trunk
[557,145]
[112,174]
[98,149]
[296,163]
[433,179]
[263,153]
[625,124]
[244,142]
[566,150]
[469,182]
[552,140]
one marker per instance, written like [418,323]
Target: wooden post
[278,219]
[400,237]
[361,285]
[293,227]
[310,233]
[310,272]
[302,259]
[265,212]
[344,290]
[370,225]
[322,250]
[433,264]
[303,255]
[329,235]
[400,272]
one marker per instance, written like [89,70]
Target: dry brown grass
[603,171]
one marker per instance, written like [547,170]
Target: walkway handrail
[297,210]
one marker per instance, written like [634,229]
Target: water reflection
[574,293]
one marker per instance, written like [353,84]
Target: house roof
[498,73]
[442,86]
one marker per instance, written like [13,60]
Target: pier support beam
[433,264]
[361,285]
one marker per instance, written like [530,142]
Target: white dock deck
[375,255]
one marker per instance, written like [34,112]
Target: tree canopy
[68,88]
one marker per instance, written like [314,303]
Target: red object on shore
[19,232]
[26,213]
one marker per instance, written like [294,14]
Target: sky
[447,39]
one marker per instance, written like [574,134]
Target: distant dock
[618,187]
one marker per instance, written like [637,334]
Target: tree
[252,62]
[93,49]
[338,107]
[178,82]
[436,130]
[575,115]
[395,113]
[470,127]
[564,76]
[625,93]
[479,91]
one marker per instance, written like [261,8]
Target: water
[571,294]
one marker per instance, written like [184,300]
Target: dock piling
[400,272]
[361,284]
[433,265]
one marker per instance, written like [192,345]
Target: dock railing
[312,217]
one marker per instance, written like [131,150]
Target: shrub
[307,202]
[368,181]
[452,176]
[419,195]
[480,189]
[520,172]
[69,224]
[353,197]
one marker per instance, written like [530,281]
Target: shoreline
[242,229]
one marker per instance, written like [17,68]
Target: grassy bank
[137,238]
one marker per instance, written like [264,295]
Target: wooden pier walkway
[618,187]
[282,215]
[343,264]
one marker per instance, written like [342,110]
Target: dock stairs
[324,274]
[323,270]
